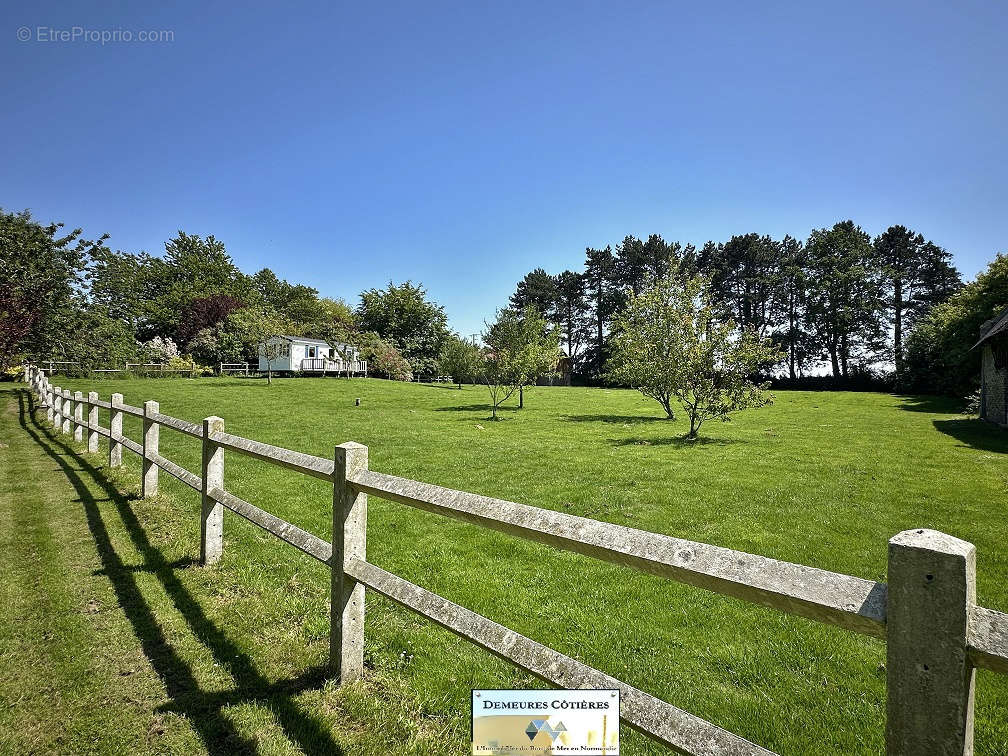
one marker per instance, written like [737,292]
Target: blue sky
[463,144]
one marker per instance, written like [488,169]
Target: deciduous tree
[460,359]
[521,347]
[939,357]
[263,327]
[41,274]
[676,343]
[405,316]
[385,358]
[204,312]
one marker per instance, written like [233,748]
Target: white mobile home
[299,354]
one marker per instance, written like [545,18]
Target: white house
[297,353]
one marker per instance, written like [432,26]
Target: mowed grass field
[112,639]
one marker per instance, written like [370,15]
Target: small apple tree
[460,358]
[674,342]
[263,327]
[520,348]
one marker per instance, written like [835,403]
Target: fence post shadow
[201,708]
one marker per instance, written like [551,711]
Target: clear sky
[462,144]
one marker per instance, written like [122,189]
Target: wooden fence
[935,633]
[51,367]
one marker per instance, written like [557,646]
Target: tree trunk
[792,337]
[693,427]
[599,323]
[834,360]
[844,355]
[898,324]
[666,403]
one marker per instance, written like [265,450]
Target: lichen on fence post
[151,435]
[346,634]
[92,438]
[212,512]
[78,416]
[929,676]
[115,432]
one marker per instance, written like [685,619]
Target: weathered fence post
[57,422]
[67,410]
[929,677]
[92,418]
[212,517]
[78,416]
[50,397]
[115,432]
[346,633]
[151,434]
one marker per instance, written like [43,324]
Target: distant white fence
[935,632]
[51,367]
[234,368]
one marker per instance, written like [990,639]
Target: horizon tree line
[839,298]
[71,299]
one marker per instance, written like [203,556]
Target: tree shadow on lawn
[937,405]
[203,709]
[680,442]
[975,433]
[620,419]
[488,408]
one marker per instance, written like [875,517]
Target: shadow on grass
[678,441]
[488,408]
[621,419]
[201,708]
[975,433]
[939,405]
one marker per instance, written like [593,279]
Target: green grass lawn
[112,639]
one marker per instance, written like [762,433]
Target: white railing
[234,368]
[935,633]
[327,365]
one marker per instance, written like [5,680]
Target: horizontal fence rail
[682,731]
[300,539]
[190,429]
[190,479]
[292,460]
[926,613]
[806,591]
[988,639]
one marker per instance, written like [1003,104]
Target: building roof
[997,324]
[306,340]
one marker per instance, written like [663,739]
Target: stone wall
[993,406]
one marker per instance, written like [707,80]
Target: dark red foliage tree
[204,312]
